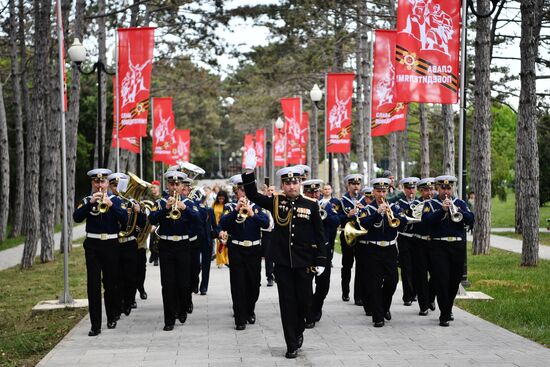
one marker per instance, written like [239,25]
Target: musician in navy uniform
[101,246]
[403,204]
[420,241]
[446,217]
[367,197]
[244,226]
[174,248]
[377,251]
[331,221]
[336,206]
[205,238]
[298,247]
[350,208]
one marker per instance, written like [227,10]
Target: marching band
[422,232]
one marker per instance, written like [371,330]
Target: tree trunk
[481,134]
[424,142]
[527,174]
[448,140]
[42,10]
[392,141]
[361,113]
[4,169]
[18,142]
[366,81]
[71,123]
[102,48]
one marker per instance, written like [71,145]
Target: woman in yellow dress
[220,208]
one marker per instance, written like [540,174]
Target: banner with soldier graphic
[427,51]
[302,156]
[164,128]
[131,143]
[339,90]
[135,63]
[260,141]
[181,146]
[292,111]
[248,144]
[279,147]
[387,114]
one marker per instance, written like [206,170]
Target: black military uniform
[174,251]
[297,245]
[379,255]
[101,250]
[448,248]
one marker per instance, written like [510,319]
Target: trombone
[392,220]
[102,206]
[175,213]
[456,216]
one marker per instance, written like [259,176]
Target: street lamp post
[77,54]
[220,143]
[316,94]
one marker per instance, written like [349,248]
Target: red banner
[292,111]
[387,114]
[248,144]
[305,137]
[181,147]
[338,115]
[427,51]
[164,129]
[131,143]
[279,148]
[260,140]
[135,62]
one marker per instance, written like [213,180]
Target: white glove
[319,270]
[250,159]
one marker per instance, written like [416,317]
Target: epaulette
[310,199]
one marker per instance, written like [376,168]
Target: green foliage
[503,149]
[544,157]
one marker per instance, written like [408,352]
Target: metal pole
[314,162]
[153,139]
[330,169]
[66,296]
[370,164]
[462,114]
[99,122]
[220,159]
[117,107]
[140,158]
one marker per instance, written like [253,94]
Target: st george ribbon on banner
[387,114]
[131,143]
[135,63]
[181,147]
[248,144]
[279,148]
[164,129]
[339,89]
[292,111]
[427,51]
[259,144]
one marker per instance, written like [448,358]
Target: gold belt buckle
[247,243]
[177,238]
[103,236]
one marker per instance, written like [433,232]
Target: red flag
[305,137]
[260,139]
[135,62]
[427,51]
[130,143]
[279,148]
[338,116]
[164,129]
[248,144]
[181,147]
[292,111]
[387,114]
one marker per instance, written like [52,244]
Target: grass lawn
[503,213]
[544,237]
[521,301]
[16,241]
[24,338]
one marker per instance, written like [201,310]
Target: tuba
[135,190]
[146,206]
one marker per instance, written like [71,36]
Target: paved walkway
[12,256]
[344,337]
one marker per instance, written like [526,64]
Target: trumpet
[456,216]
[102,206]
[392,220]
[175,213]
[322,210]
[243,211]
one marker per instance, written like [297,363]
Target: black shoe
[300,340]
[203,293]
[387,315]
[317,317]
[117,317]
[345,298]
[94,332]
[111,325]
[182,317]
[359,302]
[423,313]
[168,327]
[407,303]
[379,324]
[240,327]
[127,310]
[431,306]
[270,282]
[156,263]
[190,308]
[368,312]
[143,294]
[134,304]
[444,323]
[252,319]
[196,290]
[309,325]
[291,353]
[451,317]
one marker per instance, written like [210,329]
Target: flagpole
[369,112]
[462,109]
[140,158]
[117,107]
[66,296]
[162,176]
[153,139]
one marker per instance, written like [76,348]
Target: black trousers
[205,261]
[447,261]
[379,277]
[194,269]
[269,265]
[245,276]
[404,245]
[127,260]
[348,257]
[101,266]
[422,273]
[174,278]
[141,269]
[294,288]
